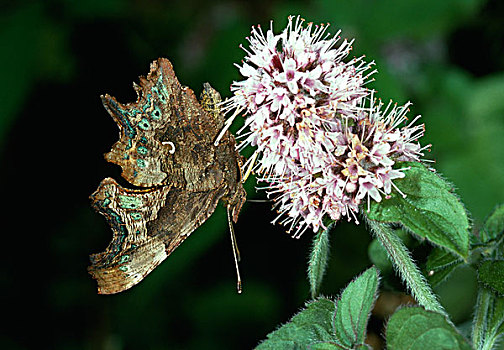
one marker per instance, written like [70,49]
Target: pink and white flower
[323,144]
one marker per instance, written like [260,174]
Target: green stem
[489,342]
[319,256]
[488,320]
[480,318]
[403,263]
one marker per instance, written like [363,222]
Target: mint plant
[328,149]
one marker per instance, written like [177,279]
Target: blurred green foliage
[58,56]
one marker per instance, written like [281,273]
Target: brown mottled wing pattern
[166,135]
[166,146]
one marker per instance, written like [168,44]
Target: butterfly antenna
[236,252]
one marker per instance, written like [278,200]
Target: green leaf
[378,256]
[327,345]
[430,209]
[491,275]
[322,325]
[354,307]
[319,257]
[494,225]
[312,324]
[334,346]
[414,328]
[497,320]
[440,264]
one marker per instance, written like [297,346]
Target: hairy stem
[404,265]
[319,256]
[489,342]
[480,318]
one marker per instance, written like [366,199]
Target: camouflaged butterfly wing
[166,146]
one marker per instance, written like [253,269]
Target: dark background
[57,57]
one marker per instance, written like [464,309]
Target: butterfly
[168,151]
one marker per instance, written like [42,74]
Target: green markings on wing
[116,223]
[129,202]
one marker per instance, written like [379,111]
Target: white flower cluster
[319,148]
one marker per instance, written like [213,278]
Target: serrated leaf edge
[401,307]
[486,285]
[451,189]
[337,301]
[301,309]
